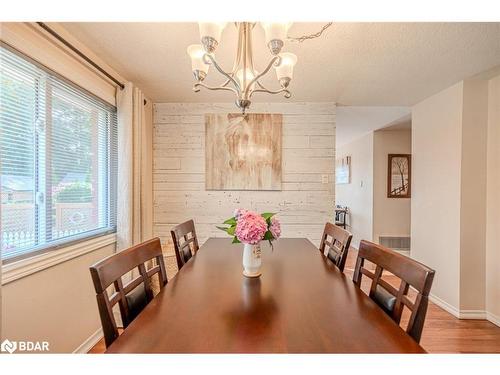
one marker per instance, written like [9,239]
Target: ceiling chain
[302,38]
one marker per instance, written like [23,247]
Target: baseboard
[89,342]
[445,305]
[493,318]
[464,314]
[472,314]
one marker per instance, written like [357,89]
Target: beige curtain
[135,169]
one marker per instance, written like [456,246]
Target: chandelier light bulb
[276,34]
[245,79]
[198,65]
[210,34]
[284,71]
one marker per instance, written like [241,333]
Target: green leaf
[268,236]
[268,215]
[224,229]
[236,240]
[230,221]
[231,230]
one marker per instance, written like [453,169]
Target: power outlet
[324,178]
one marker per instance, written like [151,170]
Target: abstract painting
[243,152]
[399,176]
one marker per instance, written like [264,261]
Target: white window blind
[57,159]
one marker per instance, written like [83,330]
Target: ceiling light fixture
[243,80]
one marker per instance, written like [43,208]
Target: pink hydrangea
[275,228]
[238,212]
[251,227]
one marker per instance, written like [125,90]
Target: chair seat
[137,301]
[335,243]
[384,299]
[185,242]
[132,296]
[334,256]
[391,298]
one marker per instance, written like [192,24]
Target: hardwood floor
[443,333]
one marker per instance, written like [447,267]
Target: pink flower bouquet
[251,228]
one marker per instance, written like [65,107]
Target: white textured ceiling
[361,64]
[356,121]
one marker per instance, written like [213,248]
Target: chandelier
[243,80]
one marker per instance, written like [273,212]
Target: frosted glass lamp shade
[210,34]
[196,52]
[276,30]
[285,68]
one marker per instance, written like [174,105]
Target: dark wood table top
[301,304]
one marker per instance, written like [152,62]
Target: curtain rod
[79,53]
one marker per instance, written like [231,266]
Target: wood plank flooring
[443,333]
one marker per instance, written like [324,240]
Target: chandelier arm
[286,93]
[197,85]
[275,60]
[260,85]
[231,79]
[228,81]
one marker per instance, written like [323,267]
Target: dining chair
[335,244]
[185,242]
[392,300]
[135,294]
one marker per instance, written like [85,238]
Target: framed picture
[343,171]
[243,152]
[399,176]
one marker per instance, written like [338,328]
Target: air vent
[400,244]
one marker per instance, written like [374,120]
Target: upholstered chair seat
[130,294]
[384,299]
[393,299]
[335,244]
[137,301]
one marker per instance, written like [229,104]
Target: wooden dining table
[300,304]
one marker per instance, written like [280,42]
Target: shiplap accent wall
[305,202]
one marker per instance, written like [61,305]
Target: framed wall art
[243,152]
[399,176]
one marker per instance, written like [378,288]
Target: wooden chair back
[392,300]
[335,244]
[132,296]
[185,242]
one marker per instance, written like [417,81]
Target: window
[57,159]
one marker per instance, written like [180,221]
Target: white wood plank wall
[304,204]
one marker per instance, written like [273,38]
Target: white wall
[493,204]
[358,195]
[57,304]
[304,204]
[473,193]
[391,216]
[454,195]
[436,180]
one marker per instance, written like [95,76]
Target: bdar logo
[8,346]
